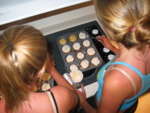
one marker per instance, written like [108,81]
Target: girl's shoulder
[58,98]
[65,98]
[117,81]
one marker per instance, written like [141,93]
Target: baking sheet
[82,49]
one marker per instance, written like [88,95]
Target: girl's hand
[82,95]
[105,41]
[50,64]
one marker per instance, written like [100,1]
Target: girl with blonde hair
[23,59]
[126,77]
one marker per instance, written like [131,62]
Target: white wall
[13,10]
[65,20]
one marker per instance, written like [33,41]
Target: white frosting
[76,76]
[84,64]
[111,56]
[95,61]
[76,46]
[95,31]
[106,50]
[45,86]
[86,43]
[73,67]
[82,35]
[69,58]
[90,51]
[66,48]
[80,55]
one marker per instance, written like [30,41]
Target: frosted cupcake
[82,35]
[95,61]
[66,49]
[69,58]
[76,46]
[45,86]
[86,43]
[73,67]
[76,76]
[91,51]
[80,55]
[85,64]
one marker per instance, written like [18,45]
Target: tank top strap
[53,101]
[128,65]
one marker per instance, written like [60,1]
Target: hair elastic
[133,29]
[10,45]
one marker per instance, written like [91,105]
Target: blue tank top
[128,102]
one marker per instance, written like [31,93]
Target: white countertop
[13,10]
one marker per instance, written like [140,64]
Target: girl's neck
[134,57]
[132,53]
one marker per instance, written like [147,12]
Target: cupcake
[45,86]
[35,88]
[73,67]
[76,46]
[37,85]
[46,77]
[80,55]
[91,51]
[69,58]
[66,49]
[82,35]
[62,41]
[76,76]
[95,61]
[85,64]
[72,38]
[86,43]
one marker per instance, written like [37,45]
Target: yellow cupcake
[35,88]
[46,77]
[72,38]
[62,41]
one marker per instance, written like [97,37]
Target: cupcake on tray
[73,67]
[45,86]
[91,51]
[69,58]
[76,46]
[66,49]
[85,64]
[82,35]
[86,43]
[62,41]
[95,61]
[80,55]
[46,77]
[72,38]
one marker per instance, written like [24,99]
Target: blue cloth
[128,102]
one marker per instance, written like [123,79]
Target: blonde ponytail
[23,53]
